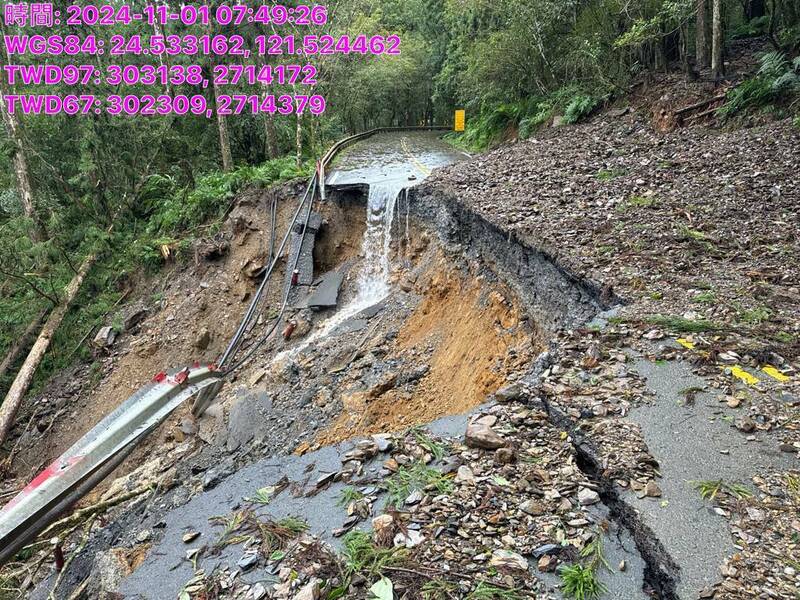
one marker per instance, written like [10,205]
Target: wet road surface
[409,156]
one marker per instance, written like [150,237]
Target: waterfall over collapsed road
[373,275]
[373,280]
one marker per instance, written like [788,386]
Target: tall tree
[19,158]
[701,34]
[224,136]
[222,123]
[717,66]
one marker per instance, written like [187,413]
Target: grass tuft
[682,325]
[362,556]
[710,489]
[416,477]
[580,582]
[487,591]
[349,495]
[438,589]
[430,445]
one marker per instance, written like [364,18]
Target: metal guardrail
[106,446]
[95,455]
[206,398]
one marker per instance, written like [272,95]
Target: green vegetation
[609,174]
[755,316]
[245,526]
[487,591]
[363,557]
[349,495]
[438,589]
[777,80]
[417,477]
[425,441]
[706,297]
[637,202]
[524,117]
[710,489]
[159,227]
[594,555]
[580,582]
[139,191]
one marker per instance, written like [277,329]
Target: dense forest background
[105,199]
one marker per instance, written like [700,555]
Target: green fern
[579,108]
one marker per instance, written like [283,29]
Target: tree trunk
[163,58]
[683,50]
[299,141]
[222,123]
[271,135]
[19,159]
[21,343]
[717,66]
[13,400]
[224,139]
[701,35]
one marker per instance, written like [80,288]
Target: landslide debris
[696,225]
[439,517]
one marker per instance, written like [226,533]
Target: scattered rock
[507,560]
[652,490]
[309,591]
[409,539]
[588,497]
[247,561]
[482,436]
[465,475]
[509,393]
[190,536]
[505,456]
[203,339]
[105,337]
[533,508]
[546,564]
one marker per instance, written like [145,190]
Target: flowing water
[373,278]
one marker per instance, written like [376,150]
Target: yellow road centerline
[418,165]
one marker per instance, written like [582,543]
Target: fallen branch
[84,540]
[700,104]
[705,113]
[21,343]
[80,515]
[13,400]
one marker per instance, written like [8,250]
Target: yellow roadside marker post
[460,120]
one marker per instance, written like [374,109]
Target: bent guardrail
[95,455]
[105,447]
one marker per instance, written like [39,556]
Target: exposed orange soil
[471,329]
[204,296]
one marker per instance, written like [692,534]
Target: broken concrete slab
[301,252]
[246,419]
[327,293]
